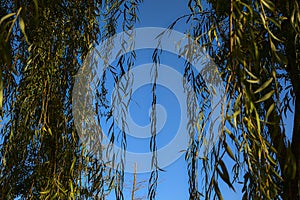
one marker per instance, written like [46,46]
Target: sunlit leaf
[270,109]
[263,86]
[6,17]
[266,96]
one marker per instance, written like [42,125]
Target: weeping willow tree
[42,47]
[255,45]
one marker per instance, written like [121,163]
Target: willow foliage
[256,45]
[42,47]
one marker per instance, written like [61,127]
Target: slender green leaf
[6,17]
[263,86]
[266,96]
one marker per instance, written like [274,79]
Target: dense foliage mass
[256,45]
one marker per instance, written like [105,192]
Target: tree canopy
[255,44]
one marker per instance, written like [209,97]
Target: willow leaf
[266,84]
[266,96]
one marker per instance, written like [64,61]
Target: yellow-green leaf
[49,131]
[253,81]
[252,75]
[22,27]
[45,192]
[266,96]
[266,84]
[6,17]
[271,108]
[272,160]
[229,151]
[268,4]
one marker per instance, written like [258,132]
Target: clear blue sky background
[173,183]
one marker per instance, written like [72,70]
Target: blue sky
[173,183]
